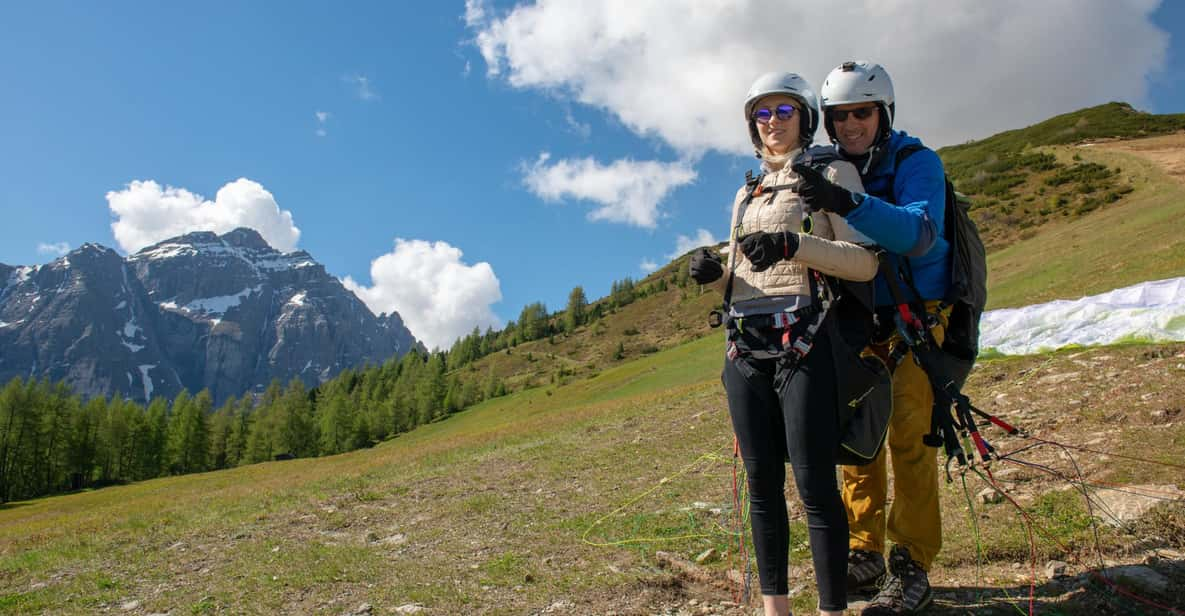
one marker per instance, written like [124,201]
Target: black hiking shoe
[865,570]
[906,590]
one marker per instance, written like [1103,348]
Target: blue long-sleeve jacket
[912,228]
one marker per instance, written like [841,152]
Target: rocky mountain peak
[244,237]
[224,312]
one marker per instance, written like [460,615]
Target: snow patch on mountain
[147,380]
[212,307]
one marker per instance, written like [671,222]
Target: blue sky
[559,145]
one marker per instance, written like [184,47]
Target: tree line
[52,440]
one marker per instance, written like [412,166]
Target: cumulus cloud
[678,70]
[647,266]
[625,191]
[145,213]
[57,248]
[440,297]
[684,244]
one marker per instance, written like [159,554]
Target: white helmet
[791,85]
[859,82]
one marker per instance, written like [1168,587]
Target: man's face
[855,134]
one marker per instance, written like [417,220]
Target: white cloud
[684,244]
[678,70]
[648,266]
[626,191]
[145,213]
[322,118]
[475,12]
[439,297]
[362,86]
[57,248]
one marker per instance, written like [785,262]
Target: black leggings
[798,423]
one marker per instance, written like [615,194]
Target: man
[903,213]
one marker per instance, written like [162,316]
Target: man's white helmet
[859,82]
[793,86]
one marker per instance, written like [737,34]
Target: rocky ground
[1113,405]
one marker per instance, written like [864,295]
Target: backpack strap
[753,188]
[905,152]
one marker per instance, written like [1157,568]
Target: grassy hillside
[1135,239]
[1018,185]
[560,499]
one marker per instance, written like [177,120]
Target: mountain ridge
[225,312]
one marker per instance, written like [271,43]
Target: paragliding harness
[947,365]
[865,383]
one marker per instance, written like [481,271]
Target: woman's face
[855,134]
[778,135]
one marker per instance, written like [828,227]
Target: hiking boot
[865,570]
[906,590]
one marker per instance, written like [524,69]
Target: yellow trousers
[914,520]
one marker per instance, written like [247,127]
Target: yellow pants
[914,520]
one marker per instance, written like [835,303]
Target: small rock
[1120,507]
[1054,379]
[396,539]
[990,496]
[130,605]
[1148,396]
[693,602]
[410,608]
[37,585]
[1055,569]
[1146,578]
[700,505]
[365,609]
[707,556]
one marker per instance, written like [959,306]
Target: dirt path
[1167,151]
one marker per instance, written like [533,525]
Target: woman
[779,372]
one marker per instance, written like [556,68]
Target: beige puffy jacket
[829,248]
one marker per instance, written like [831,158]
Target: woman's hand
[764,249]
[705,266]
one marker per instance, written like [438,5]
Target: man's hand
[821,194]
[764,249]
[705,266]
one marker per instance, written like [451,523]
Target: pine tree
[575,314]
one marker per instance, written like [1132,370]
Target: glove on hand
[705,266]
[821,194]
[764,249]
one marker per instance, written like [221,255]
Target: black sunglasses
[841,115]
[765,114]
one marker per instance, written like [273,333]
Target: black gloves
[705,266]
[764,249]
[821,194]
